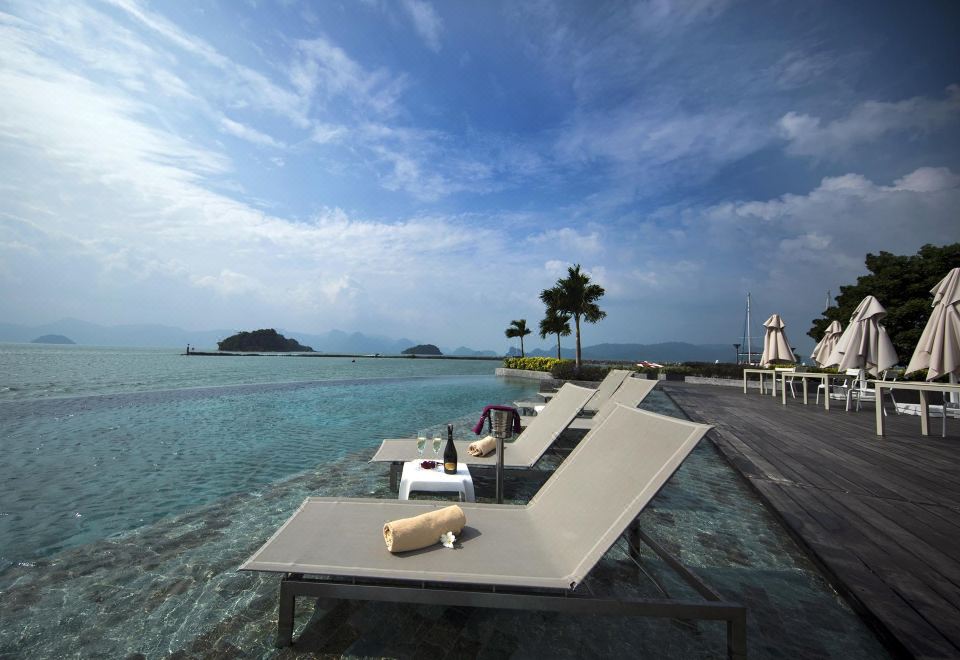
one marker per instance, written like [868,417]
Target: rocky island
[53,339]
[262,341]
[422,349]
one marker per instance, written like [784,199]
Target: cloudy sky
[425,169]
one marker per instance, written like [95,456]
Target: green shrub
[565,370]
[530,363]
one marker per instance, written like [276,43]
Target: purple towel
[486,417]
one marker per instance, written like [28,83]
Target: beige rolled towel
[482,447]
[423,530]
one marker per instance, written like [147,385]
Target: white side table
[436,481]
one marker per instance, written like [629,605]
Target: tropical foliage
[530,363]
[266,340]
[576,297]
[902,285]
[568,370]
[519,329]
[555,323]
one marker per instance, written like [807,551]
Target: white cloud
[425,21]
[247,85]
[325,74]
[928,179]
[231,284]
[248,133]
[811,136]
[569,240]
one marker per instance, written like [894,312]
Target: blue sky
[422,169]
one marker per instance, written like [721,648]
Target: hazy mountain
[141,335]
[673,351]
[463,351]
[337,341]
[162,336]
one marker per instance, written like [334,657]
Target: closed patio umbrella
[825,346]
[865,343]
[776,348]
[938,350]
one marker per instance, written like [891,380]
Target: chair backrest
[548,424]
[587,503]
[631,393]
[607,387]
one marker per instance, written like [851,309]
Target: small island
[53,339]
[262,341]
[421,349]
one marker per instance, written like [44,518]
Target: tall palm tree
[555,323]
[518,329]
[576,296]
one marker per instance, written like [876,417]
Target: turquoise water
[138,482]
[147,434]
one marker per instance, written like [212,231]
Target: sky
[425,169]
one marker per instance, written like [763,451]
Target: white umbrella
[823,349]
[776,347]
[865,343]
[938,350]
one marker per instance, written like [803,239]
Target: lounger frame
[713,608]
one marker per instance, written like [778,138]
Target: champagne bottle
[450,453]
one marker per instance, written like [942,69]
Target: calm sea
[99,441]
[135,482]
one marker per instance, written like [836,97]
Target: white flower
[447,539]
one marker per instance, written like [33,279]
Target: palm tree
[555,323]
[576,296]
[518,329]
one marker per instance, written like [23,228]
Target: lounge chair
[512,557]
[604,390]
[630,393]
[523,452]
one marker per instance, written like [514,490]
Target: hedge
[530,363]
[565,370]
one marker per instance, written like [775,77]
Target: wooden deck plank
[880,515]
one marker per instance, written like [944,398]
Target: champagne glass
[421,442]
[437,441]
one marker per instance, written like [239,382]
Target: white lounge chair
[512,557]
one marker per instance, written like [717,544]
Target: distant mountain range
[337,341]
[671,351]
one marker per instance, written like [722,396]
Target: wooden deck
[881,516]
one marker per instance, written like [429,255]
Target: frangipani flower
[447,539]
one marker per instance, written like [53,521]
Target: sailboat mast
[749,338]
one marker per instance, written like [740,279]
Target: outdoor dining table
[762,373]
[824,378]
[922,388]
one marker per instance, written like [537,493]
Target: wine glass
[437,441]
[421,442]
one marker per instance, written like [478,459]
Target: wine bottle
[450,453]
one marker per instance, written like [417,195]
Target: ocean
[136,481]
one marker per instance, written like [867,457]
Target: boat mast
[749,338]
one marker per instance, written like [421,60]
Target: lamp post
[736,348]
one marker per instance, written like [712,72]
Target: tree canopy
[902,285]
[262,341]
[518,328]
[421,349]
[555,323]
[576,296]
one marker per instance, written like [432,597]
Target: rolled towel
[423,530]
[482,447]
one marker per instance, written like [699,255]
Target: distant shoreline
[346,355]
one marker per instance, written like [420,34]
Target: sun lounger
[523,452]
[630,393]
[607,387]
[512,557]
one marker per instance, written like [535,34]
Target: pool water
[129,509]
